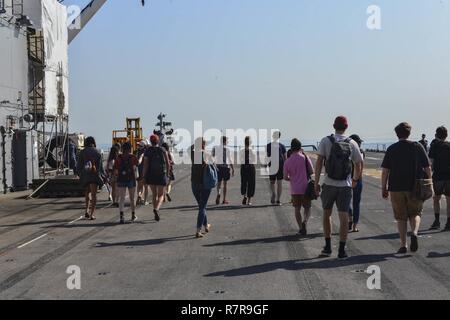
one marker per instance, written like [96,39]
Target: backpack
[158,165]
[338,165]
[210,177]
[125,170]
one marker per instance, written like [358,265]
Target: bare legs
[157,196]
[276,194]
[225,189]
[298,216]
[122,195]
[90,198]
[403,229]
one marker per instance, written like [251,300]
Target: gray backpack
[338,166]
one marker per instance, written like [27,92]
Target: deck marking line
[31,241]
[76,220]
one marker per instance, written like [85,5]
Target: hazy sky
[288,64]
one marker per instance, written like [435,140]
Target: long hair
[113,153]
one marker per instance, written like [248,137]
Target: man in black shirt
[440,157]
[424,142]
[404,162]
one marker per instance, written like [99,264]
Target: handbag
[310,192]
[210,176]
[423,188]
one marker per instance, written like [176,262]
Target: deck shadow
[288,238]
[227,207]
[305,264]
[434,254]
[146,242]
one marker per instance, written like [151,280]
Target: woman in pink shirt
[297,170]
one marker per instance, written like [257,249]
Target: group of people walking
[150,167]
[411,174]
[406,167]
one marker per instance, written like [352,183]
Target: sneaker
[133,217]
[414,246]
[122,220]
[402,250]
[157,218]
[218,199]
[244,201]
[199,235]
[342,255]
[436,225]
[146,203]
[326,252]
[168,197]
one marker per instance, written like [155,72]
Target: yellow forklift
[132,133]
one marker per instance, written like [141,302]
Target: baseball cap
[341,122]
[356,138]
[154,138]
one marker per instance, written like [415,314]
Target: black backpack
[338,165]
[157,160]
[125,170]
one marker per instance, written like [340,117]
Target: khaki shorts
[299,200]
[405,206]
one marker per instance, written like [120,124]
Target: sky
[292,65]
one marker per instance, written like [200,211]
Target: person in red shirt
[125,171]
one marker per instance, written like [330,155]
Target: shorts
[405,206]
[442,187]
[299,200]
[342,196]
[128,184]
[161,180]
[278,176]
[224,173]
